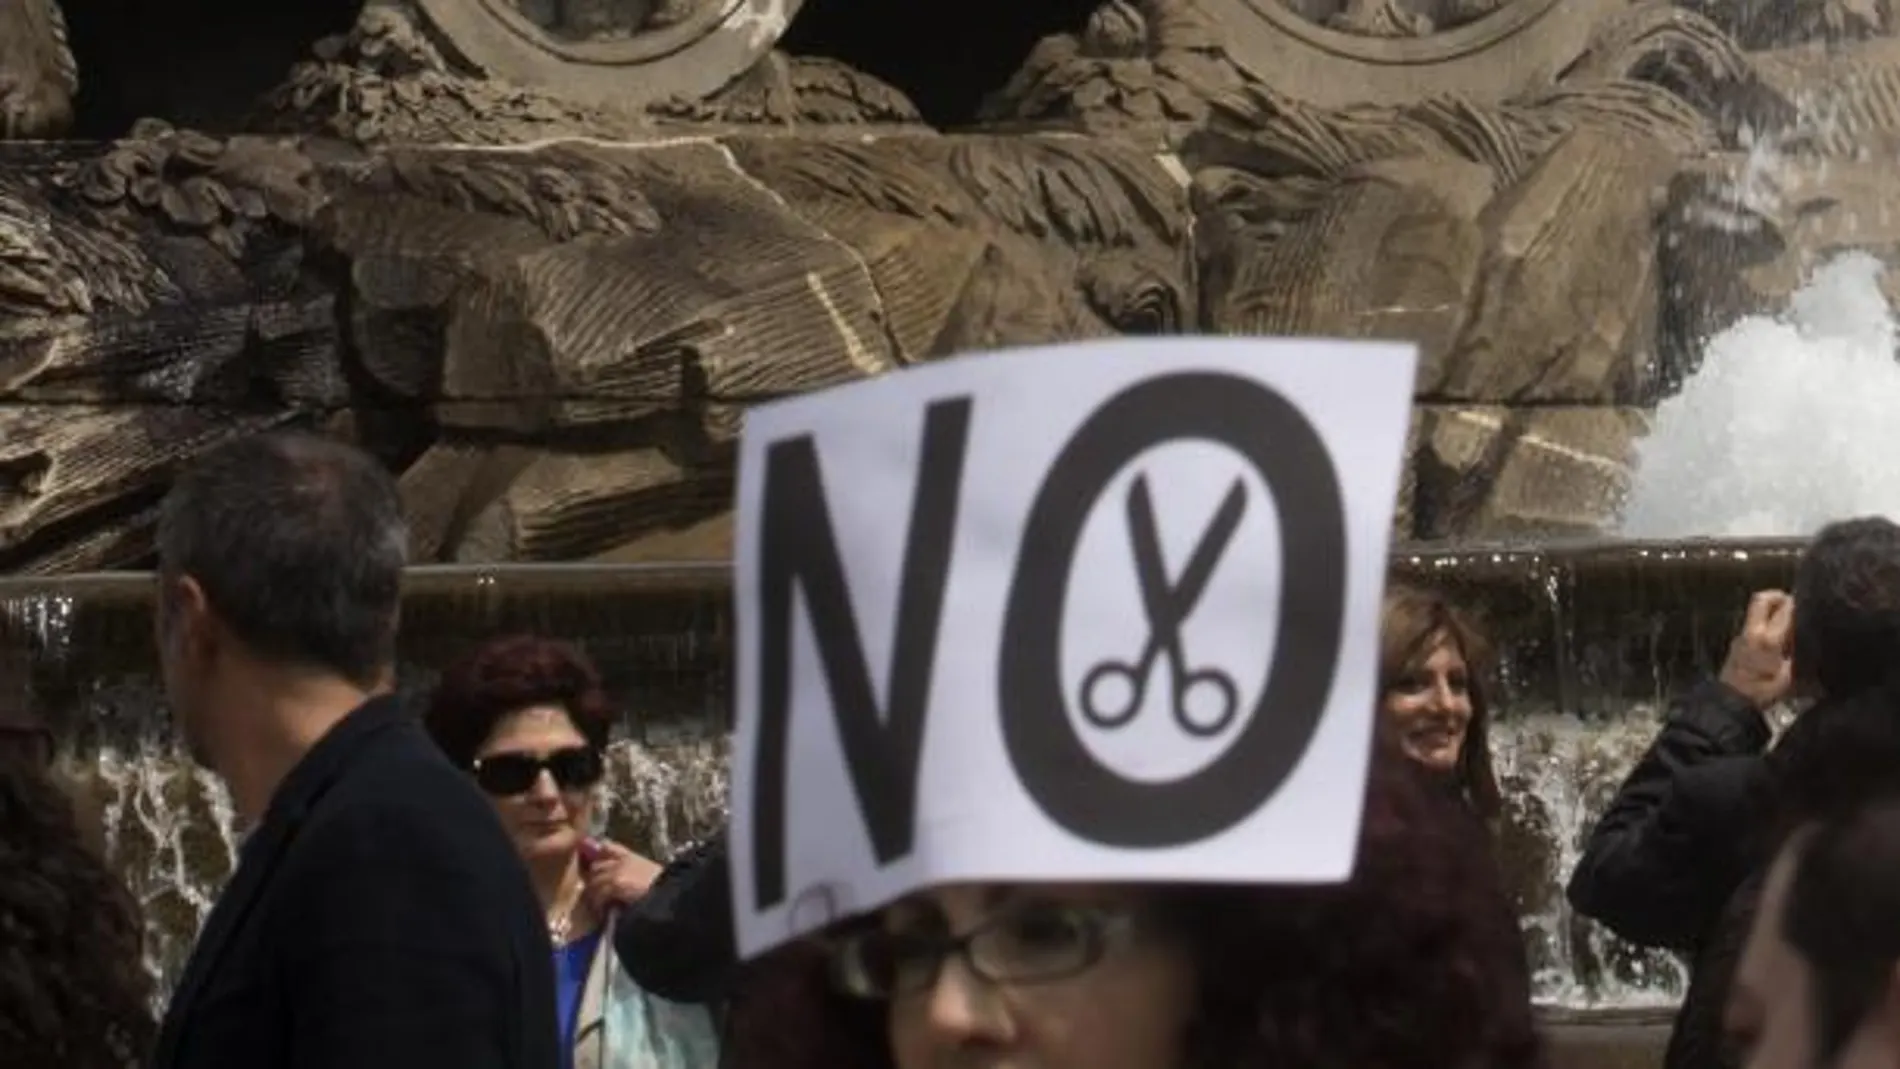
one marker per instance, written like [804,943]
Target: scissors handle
[1112,693]
[1205,702]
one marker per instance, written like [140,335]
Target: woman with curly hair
[74,993]
[1432,665]
[1413,962]
[529,721]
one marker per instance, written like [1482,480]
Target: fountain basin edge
[1412,559]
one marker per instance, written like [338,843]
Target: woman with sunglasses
[528,718]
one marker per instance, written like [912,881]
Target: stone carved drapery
[546,306]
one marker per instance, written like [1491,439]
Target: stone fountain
[539,254]
[1594,636]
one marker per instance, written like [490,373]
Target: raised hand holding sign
[1105,611]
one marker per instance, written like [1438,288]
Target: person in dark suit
[378,916]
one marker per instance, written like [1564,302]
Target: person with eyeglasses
[528,719]
[1415,961]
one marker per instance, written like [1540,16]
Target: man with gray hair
[378,915]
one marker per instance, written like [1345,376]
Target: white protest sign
[1102,611]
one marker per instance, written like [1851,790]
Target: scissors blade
[1209,550]
[1150,570]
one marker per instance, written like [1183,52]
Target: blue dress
[570,978]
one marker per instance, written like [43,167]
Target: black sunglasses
[504,774]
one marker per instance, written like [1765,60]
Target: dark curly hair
[508,675]
[73,988]
[1417,960]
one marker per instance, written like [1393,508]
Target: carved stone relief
[548,304]
[607,20]
[38,77]
[387,82]
[1393,18]
[621,53]
[1341,52]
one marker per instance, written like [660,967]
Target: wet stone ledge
[1583,627]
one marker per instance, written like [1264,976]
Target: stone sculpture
[37,75]
[538,254]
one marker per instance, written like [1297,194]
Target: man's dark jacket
[1672,861]
[1721,811]
[378,918]
[1686,828]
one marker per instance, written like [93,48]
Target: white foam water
[1792,420]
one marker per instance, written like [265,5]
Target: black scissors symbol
[1113,691]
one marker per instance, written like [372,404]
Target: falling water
[169,828]
[1788,423]
[1559,773]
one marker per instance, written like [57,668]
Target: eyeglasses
[504,774]
[1033,944]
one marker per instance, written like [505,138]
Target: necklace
[562,921]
